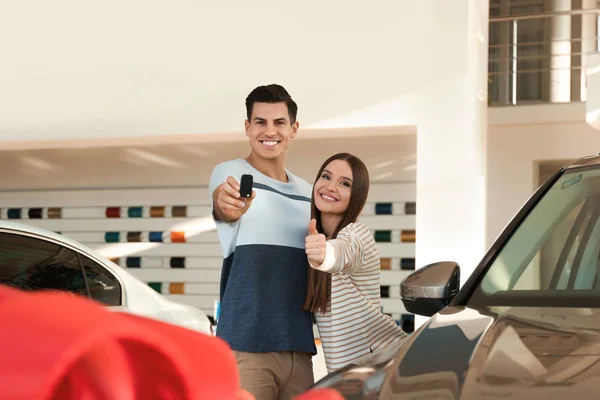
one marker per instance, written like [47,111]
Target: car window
[542,269]
[29,263]
[553,257]
[103,285]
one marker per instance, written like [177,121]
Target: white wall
[518,139]
[124,69]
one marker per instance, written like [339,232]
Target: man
[264,276]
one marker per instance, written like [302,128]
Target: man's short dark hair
[271,94]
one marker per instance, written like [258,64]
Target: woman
[343,283]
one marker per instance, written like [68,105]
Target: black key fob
[246,186]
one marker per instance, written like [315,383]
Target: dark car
[526,324]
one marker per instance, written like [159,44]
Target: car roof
[28,229]
[588,161]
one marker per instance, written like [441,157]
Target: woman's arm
[347,252]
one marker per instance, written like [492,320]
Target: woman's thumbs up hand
[316,244]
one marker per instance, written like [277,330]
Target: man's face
[270,130]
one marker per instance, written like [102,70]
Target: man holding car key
[264,275]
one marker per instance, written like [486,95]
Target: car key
[246,185]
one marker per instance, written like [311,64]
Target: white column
[584,29]
[451,143]
[560,53]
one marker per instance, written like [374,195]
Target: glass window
[28,263]
[553,257]
[103,286]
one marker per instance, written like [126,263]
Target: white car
[37,259]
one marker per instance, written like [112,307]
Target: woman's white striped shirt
[354,324]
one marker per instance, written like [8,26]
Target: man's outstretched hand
[229,206]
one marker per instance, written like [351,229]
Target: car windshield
[553,258]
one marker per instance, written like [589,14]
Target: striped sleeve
[347,252]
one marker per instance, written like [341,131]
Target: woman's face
[333,189]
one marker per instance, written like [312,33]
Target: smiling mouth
[328,198]
[269,143]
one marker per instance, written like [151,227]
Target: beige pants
[275,376]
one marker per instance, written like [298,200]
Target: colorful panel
[383,236]
[134,236]
[155,237]
[157,212]
[177,288]
[113,212]
[89,219]
[177,262]
[35,213]
[156,286]
[178,237]
[383,208]
[386,263]
[55,213]
[14,213]
[179,211]
[385,292]
[133,262]
[112,237]
[135,212]
[408,236]
[407,264]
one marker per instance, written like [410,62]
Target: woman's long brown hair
[319,283]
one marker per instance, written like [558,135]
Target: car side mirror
[431,288]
